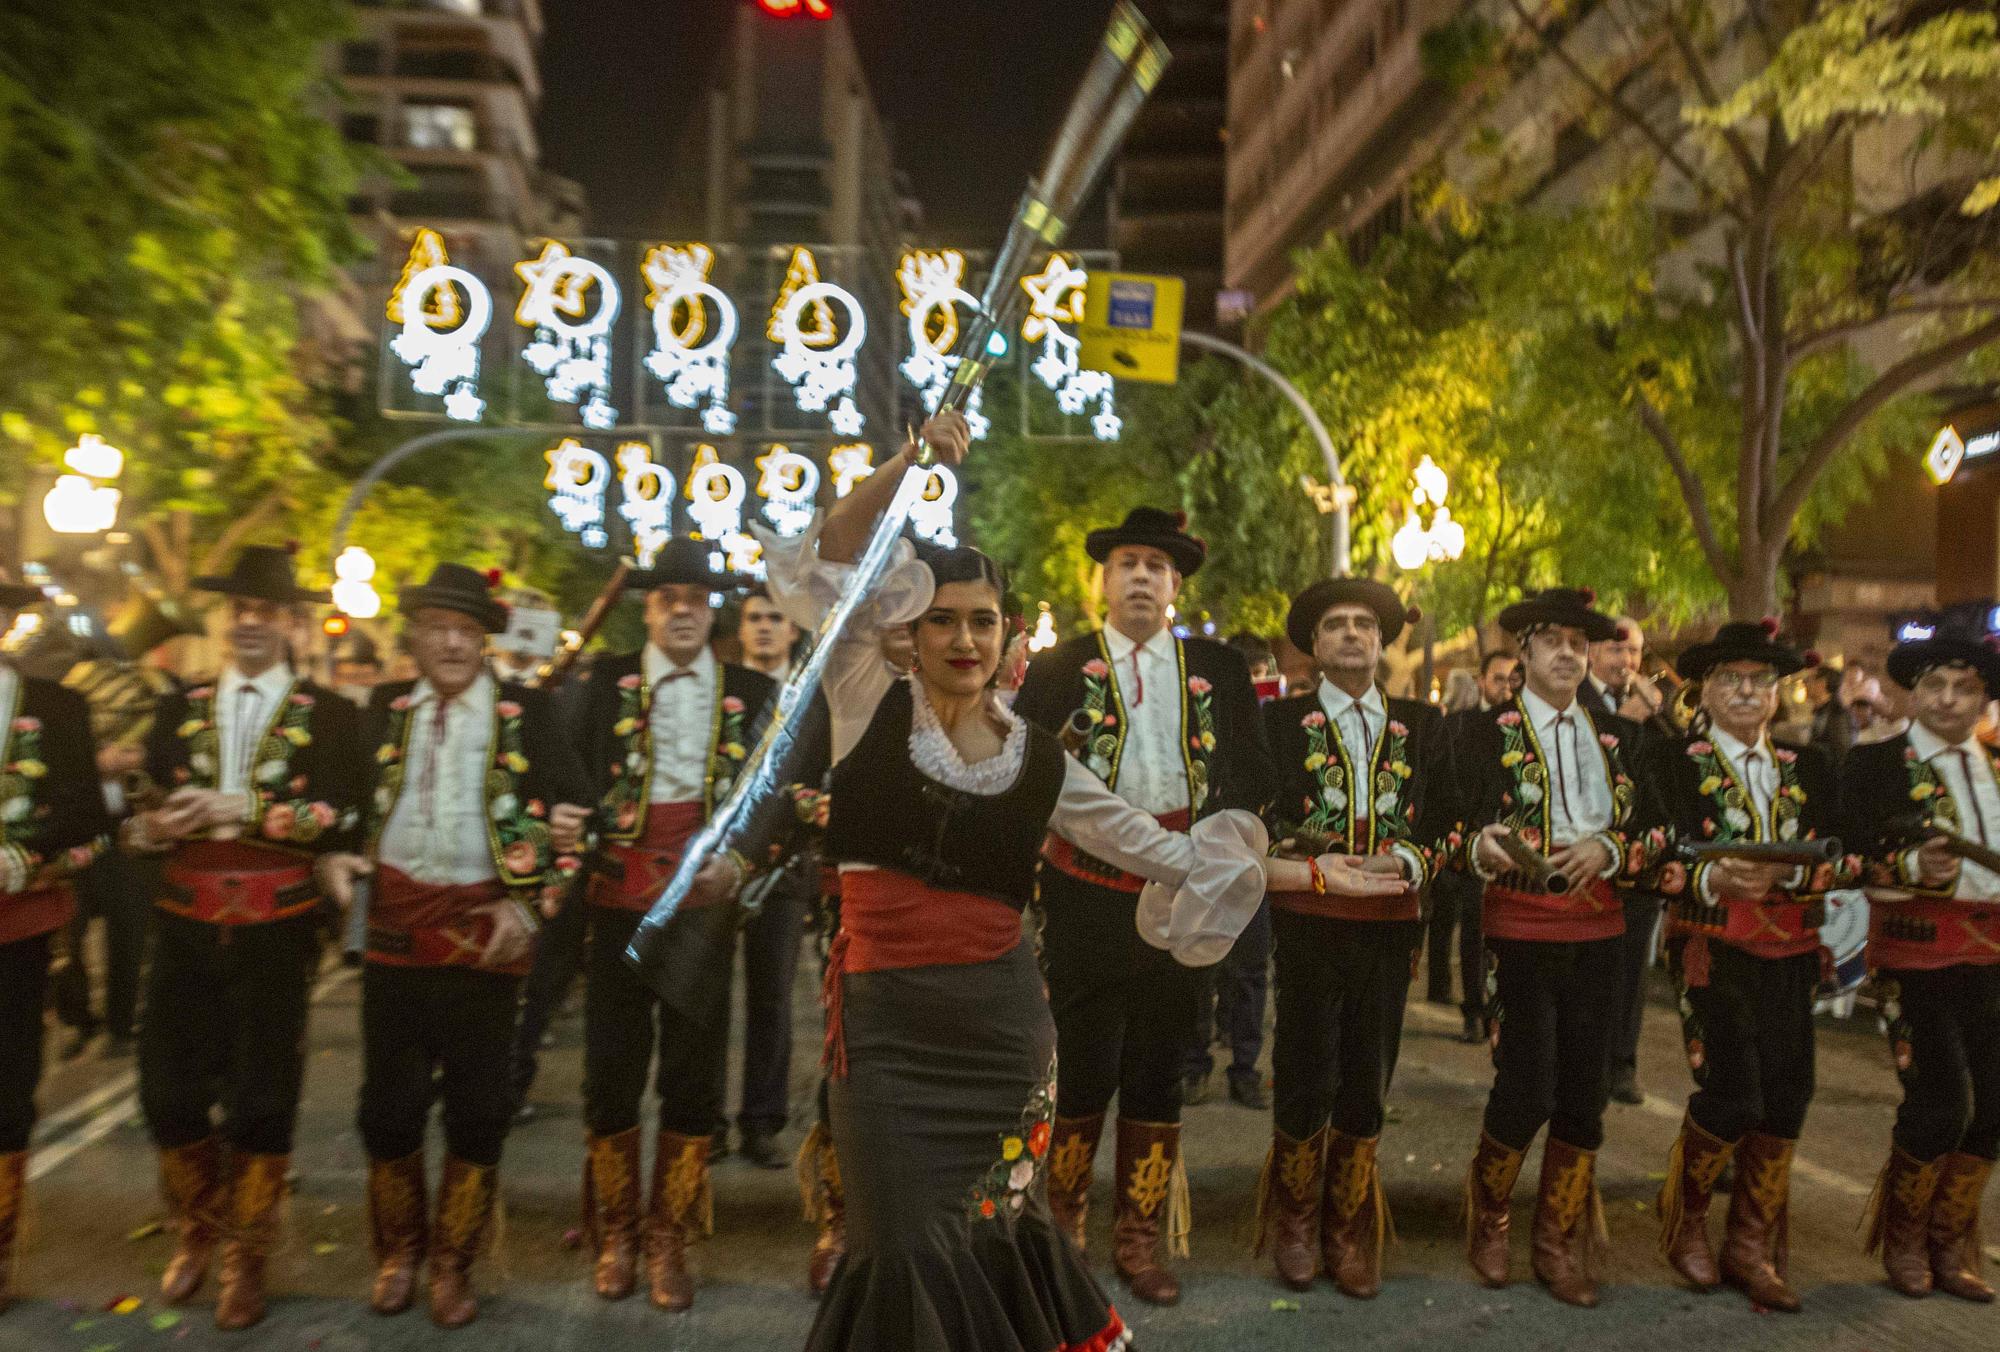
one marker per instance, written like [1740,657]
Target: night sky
[973,90]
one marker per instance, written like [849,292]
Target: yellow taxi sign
[1132,326]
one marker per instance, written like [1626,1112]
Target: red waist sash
[632,876]
[890,921]
[1087,868]
[1588,911]
[1764,929]
[232,882]
[417,924]
[24,915]
[1925,934]
[1336,907]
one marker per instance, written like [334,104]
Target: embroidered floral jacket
[304,781]
[617,735]
[52,817]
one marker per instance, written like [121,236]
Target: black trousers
[436,1032]
[225,1028]
[24,985]
[1342,985]
[559,951]
[1237,991]
[1749,1036]
[1635,954]
[771,942]
[118,890]
[1456,899]
[623,1023]
[1553,1003]
[1945,1035]
[1125,1011]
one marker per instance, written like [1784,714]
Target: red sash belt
[1782,929]
[889,921]
[1588,911]
[1925,934]
[1334,907]
[232,882]
[416,924]
[632,876]
[24,915]
[1088,868]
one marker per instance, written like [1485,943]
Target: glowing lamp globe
[76,506]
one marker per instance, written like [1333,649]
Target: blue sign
[1132,305]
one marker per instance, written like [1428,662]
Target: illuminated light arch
[849,465]
[789,485]
[440,334]
[820,375]
[931,514]
[577,479]
[1055,298]
[694,373]
[571,349]
[647,500]
[932,285]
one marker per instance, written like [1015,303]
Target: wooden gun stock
[558,666]
[1808,853]
[1545,876]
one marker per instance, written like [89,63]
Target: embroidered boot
[826,1205]
[1489,1187]
[679,1215]
[1354,1223]
[256,1192]
[1899,1217]
[1954,1228]
[465,1202]
[398,1207]
[191,1179]
[611,1206]
[1569,1220]
[1072,1158]
[1289,1201]
[1148,1160]
[13,1181]
[1693,1167]
[1757,1241]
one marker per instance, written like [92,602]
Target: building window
[439,126]
[361,128]
[361,58]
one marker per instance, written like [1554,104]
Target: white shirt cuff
[1198,921]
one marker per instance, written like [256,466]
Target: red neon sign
[791,9]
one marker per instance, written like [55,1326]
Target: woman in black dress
[939,1040]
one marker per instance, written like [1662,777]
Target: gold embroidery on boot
[683,1183]
[608,1169]
[1298,1170]
[1151,1175]
[1070,1162]
[459,1210]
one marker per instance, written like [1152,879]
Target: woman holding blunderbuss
[1743,946]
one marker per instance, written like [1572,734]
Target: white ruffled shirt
[683,717]
[1152,772]
[1977,801]
[1202,887]
[437,831]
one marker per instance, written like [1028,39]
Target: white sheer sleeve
[805,587]
[1202,888]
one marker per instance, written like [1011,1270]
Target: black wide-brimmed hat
[262,573]
[1952,644]
[1155,529]
[683,561]
[453,586]
[1561,607]
[1311,605]
[1742,641]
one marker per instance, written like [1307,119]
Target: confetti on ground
[1283,1306]
[82,1325]
[147,1231]
[572,1238]
[103,1347]
[165,1320]
[125,1305]
[323,1248]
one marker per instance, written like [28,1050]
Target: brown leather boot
[464,1216]
[1288,1206]
[1568,1218]
[1354,1223]
[256,1191]
[1954,1228]
[1756,1242]
[679,1215]
[13,1181]
[611,1210]
[1072,1158]
[191,1179]
[398,1206]
[828,1208]
[1147,1155]
[1899,1219]
[1696,1162]
[1489,1187]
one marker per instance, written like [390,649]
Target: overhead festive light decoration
[441,333]
[717,489]
[695,373]
[646,499]
[1044,637]
[1413,545]
[930,516]
[354,593]
[932,281]
[577,480]
[1055,298]
[789,485]
[817,360]
[849,465]
[571,349]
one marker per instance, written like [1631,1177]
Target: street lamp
[354,593]
[81,503]
[1414,544]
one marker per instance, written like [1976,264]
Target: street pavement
[93,1238]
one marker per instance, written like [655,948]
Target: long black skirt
[942,1129]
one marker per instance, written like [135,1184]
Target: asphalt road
[92,1239]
